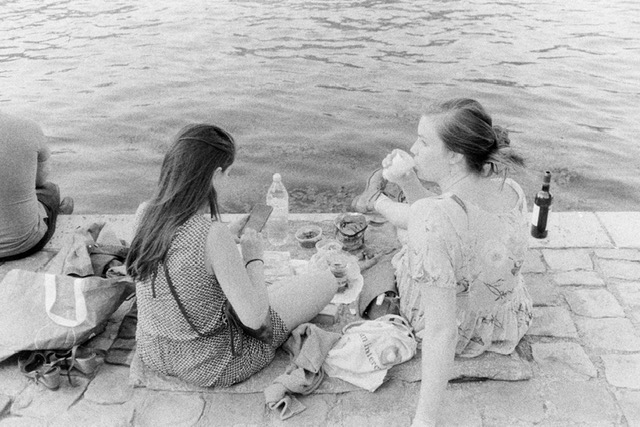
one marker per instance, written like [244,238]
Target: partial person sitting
[29,205]
[458,273]
[205,314]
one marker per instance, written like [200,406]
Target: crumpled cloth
[91,252]
[308,346]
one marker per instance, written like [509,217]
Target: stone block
[533,262]
[110,386]
[552,322]
[235,409]
[542,290]
[579,403]
[12,382]
[568,259]
[625,254]
[578,278]
[573,230]
[36,401]
[619,269]
[622,370]
[35,262]
[564,360]
[629,293]
[623,227]
[123,226]
[593,303]
[383,402]
[609,334]
[23,422]
[510,403]
[169,409]
[458,410]
[629,401]
[380,420]
[86,413]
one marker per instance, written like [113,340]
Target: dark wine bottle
[541,208]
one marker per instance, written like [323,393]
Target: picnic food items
[350,228]
[308,236]
[330,256]
[397,164]
[338,266]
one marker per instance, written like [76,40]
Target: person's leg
[48,196]
[300,298]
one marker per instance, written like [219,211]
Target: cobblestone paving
[585,283]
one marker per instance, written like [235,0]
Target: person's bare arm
[412,188]
[244,287]
[44,166]
[438,351]
[396,213]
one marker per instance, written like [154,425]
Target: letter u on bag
[50,294]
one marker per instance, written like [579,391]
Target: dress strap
[231,321]
[460,202]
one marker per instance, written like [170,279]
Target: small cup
[350,228]
[308,236]
[326,245]
[338,266]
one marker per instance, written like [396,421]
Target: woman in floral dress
[459,271]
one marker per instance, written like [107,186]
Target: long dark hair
[183,188]
[466,128]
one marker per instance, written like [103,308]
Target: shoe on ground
[34,366]
[66,206]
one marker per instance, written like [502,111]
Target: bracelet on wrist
[252,260]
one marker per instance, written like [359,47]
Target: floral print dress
[455,244]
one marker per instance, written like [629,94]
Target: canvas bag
[46,311]
[52,310]
[368,348]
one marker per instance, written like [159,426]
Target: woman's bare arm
[244,287]
[438,351]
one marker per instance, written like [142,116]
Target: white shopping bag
[368,348]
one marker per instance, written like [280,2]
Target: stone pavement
[585,282]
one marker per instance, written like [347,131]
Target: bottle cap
[277,177]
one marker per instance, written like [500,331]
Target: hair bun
[502,136]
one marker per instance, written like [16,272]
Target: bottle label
[535,215]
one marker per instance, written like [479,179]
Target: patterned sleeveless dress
[168,344]
[481,257]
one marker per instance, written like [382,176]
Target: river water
[320,90]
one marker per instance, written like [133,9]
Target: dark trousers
[49,196]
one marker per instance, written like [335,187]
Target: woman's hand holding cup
[398,166]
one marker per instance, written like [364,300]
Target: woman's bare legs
[300,298]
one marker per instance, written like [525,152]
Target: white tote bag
[368,348]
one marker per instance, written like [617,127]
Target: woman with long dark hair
[458,274]
[204,312]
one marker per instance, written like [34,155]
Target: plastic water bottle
[278,224]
